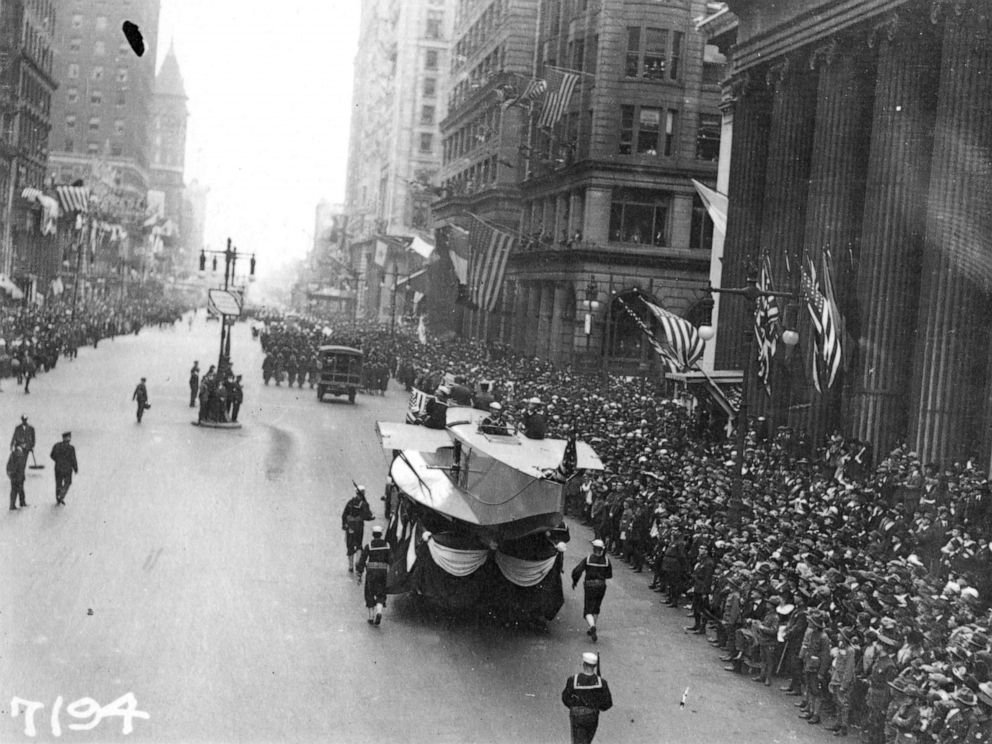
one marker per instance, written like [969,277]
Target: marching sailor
[586,694]
[598,569]
[375,558]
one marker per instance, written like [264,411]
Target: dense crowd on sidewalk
[33,338]
[863,587]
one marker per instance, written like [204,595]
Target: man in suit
[64,455]
[24,435]
[702,584]
[586,695]
[16,464]
[194,383]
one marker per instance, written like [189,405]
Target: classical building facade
[394,150]
[27,85]
[607,204]
[862,128]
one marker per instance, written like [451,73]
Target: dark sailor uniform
[374,562]
[597,569]
[585,696]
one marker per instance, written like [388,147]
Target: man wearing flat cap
[586,695]
[64,455]
[375,559]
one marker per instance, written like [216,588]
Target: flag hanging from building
[569,463]
[452,241]
[682,336]
[490,249]
[663,350]
[827,346]
[533,90]
[561,84]
[766,324]
[832,356]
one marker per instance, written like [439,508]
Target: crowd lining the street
[863,587]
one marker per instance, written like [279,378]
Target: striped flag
[663,350]
[417,407]
[832,353]
[73,198]
[682,335]
[490,249]
[827,346]
[766,324]
[561,84]
[569,463]
[422,331]
[535,89]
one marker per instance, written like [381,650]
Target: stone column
[545,308]
[531,318]
[752,118]
[951,361]
[845,92]
[783,219]
[556,314]
[892,233]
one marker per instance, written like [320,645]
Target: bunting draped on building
[532,91]
[682,336]
[490,248]
[73,198]
[560,86]
[49,209]
[826,322]
[767,326]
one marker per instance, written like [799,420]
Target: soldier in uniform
[356,513]
[597,569]
[883,670]
[375,559]
[64,455]
[702,584]
[586,695]
[141,395]
[24,435]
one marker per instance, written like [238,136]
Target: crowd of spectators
[862,586]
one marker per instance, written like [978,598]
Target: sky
[269,87]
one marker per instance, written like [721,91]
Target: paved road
[203,572]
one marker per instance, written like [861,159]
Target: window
[593,54]
[75,44]
[73,71]
[426,142]
[640,130]
[708,137]
[639,216]
[435,23]
[649,123]
[430,62]
[116,149]
[673,72]
[94,123]
[427,115]
[579,55]
[670,118]
[70,121]
[121,74]
[97,73]
[92,148]
[121,98]
[626,130]
[430,87]
[77,21]
[101,23]
[650,56]
[118,126]
[701,232]
[99,48]
[72,95]
[96,97]
[633,51]
[68,145]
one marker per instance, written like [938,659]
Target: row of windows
[434,28]
[646,130]
[96,97]
[653,53]
[96,74]
[479,33]
[36,45]
[474,178]
[473,134]
[34,92]
[93,148]
[99,23]
[480,74]
[94,124]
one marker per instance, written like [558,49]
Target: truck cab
[340,371]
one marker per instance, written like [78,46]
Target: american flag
[490,249]
[561,84]
[664,351]
[534,89]
[569,463]
[827,347]
[766,320]
[682,335]
[417,406]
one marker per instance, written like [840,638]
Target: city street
[203,571]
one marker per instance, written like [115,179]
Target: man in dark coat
[194,384]
[535,425]
[483,398]
[356,513]
[702,585]
[64,455]
[16,464]
[375,559]
[586,695]
[597,569]
[24,435]
[141,395]
[235,399]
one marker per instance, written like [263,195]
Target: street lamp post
[590,304]
[231,256]
[752,293]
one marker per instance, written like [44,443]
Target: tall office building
[168,148]
[394,150]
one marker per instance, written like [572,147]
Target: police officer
[586,695]
[356,512]
[141,395]
[375,559]
[597,569]
[64,455]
